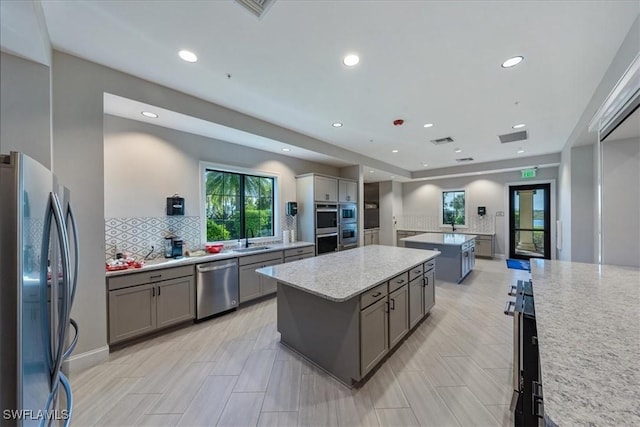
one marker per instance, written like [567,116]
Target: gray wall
[423,197]
[144,164]
[621,202]
[564,204]
[583,231]
[25,112]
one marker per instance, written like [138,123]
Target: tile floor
[453,370]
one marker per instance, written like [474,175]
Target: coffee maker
[173,247]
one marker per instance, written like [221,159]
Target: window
[454,207]
[238,205]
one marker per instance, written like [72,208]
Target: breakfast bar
[345,311]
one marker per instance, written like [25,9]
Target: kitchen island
[457,257]
[345,311]
[588,325]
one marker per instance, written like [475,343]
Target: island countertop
[588,322]
[453,239]
[342,275]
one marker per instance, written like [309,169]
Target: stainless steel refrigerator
[38,277]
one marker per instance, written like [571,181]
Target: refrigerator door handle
[72,346]
[71,220]
[44,288]
[66,280]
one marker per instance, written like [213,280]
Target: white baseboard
[82,361]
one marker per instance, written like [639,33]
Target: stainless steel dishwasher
[216,287]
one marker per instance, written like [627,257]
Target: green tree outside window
[453,207]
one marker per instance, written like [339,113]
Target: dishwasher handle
[202,269]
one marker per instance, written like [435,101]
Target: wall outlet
[500,213]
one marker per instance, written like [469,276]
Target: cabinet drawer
[429,265]
[299,257]
[134,279]
[398,281]
[415,272]
[264,257]
[299,251]
[373,295]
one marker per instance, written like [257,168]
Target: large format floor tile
[454,369]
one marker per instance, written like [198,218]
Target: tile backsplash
[485,224]
[137,234]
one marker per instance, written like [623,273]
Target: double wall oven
[348,226]
[326,228]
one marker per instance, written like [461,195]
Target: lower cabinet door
[175,301]
[249,282]
[374,335]
[429,290]
[398,314]
[132,312]
[416,309]
[269,286]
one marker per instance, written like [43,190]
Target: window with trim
[238,205]
[454,207]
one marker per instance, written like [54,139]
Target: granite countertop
[478,233]
[453,239]
[588,321]
[343,275]
[225,254]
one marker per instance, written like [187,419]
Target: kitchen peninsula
[457,257]
[346,311]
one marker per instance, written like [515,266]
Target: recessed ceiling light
[336,125]
[458,150]
[520,151]
[394,151]
[512,62]
[188,56]
[371,171]
[428,125]
[149,114]
[351,60]
[286,149]
[392,176]
[425,164]
[518,126]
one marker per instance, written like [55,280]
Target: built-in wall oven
[326,243]
[348,236]
[326,218]
[348,213]
[527,403]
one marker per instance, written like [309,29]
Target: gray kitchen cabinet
[296,254]
[429,289]
[398,314]
[140,303]
[325,189]
[251,284]
[374,335]
[484,246]
[416,303]
[132,312]
[347,191]
[175,301]
[371,237]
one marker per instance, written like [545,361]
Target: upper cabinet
[347,191]
[325,189]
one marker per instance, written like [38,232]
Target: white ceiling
[422,61]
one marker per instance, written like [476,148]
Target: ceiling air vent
[441,141]
[513,137]
[465,159]
[257,7]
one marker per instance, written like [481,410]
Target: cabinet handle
[425,281]
[159,290]
[155,277]
[393,304]
[386,303]
[417,271]
[153,291]
[326,197]
[377,294]
[400,281]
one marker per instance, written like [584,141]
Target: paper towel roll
[286,236]
[293,236]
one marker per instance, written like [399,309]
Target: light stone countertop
[458,231]
[453,239]
[225,254]
[588,321]
[341,276]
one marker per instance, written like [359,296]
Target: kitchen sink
[252,249]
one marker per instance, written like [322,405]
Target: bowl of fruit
[213,248]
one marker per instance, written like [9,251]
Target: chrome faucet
[453,225]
